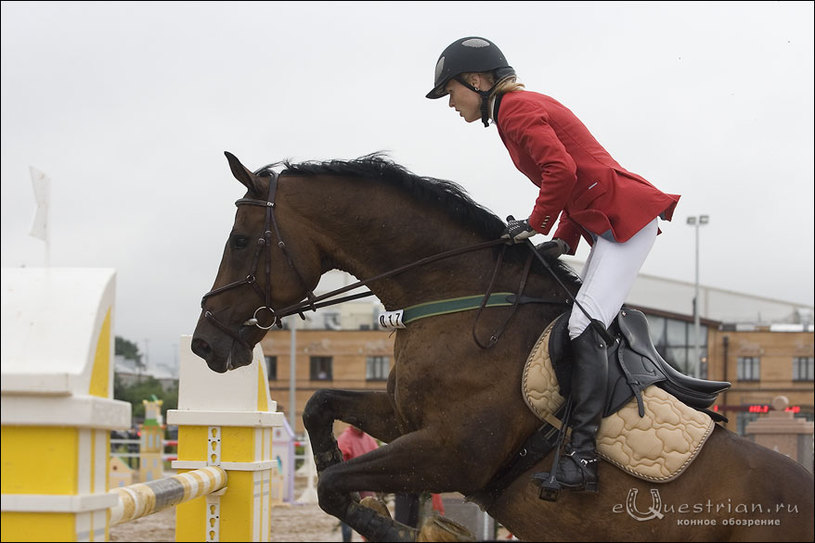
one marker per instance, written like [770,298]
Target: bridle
[263,242]
[265,316]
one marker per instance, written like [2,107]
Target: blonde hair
[509,83]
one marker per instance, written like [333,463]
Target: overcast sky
[128,108]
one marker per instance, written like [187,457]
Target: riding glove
[554,248]
[518,231]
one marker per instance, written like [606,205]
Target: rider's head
[470,70]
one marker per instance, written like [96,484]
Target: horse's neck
[378,231]
[372,253]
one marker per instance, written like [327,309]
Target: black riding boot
[577,470]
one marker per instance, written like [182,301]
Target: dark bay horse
[453,413]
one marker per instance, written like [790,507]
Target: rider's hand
[518,231]
[553,249]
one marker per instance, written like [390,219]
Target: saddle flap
[629,373]
[699,392]
[634,327]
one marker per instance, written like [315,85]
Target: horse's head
[258,275]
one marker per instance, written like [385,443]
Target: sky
[128,107]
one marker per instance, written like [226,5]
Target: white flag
[42,193]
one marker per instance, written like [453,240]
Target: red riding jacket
[578,179]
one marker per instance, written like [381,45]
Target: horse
[453,415]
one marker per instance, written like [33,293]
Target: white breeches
[608,276]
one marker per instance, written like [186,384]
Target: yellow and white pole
[142,499]
[226,420]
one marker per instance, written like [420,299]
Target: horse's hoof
[438,528]
[372,502]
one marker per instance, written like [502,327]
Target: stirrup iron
[550,486]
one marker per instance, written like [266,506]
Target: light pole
[697,221]
[293,377]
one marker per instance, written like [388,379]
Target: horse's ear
[246,177]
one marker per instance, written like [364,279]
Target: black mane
[444,194]
[441,193]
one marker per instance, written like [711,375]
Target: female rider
[594,197]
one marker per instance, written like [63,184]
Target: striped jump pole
[142,499]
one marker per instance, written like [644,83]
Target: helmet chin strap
[485,100]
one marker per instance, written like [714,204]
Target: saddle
[633,365]
[654,438]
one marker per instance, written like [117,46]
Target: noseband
[263,243]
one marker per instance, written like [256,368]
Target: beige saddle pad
[657,447]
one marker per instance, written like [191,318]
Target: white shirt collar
[492,108]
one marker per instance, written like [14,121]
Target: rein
[300,306]
[517,299]
[497,334]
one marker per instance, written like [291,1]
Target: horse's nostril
[201,348]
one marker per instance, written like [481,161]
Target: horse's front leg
[415,462]
[373,413]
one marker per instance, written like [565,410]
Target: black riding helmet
[471,54]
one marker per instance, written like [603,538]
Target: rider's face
[465,101]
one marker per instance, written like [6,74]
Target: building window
[271,367]
[802,368]
[377,368]
[675,341]
[321,368]
[748,368]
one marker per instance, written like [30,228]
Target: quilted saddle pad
[657,447]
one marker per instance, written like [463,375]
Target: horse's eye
[239,242]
